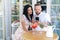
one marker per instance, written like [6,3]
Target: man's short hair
[37,4]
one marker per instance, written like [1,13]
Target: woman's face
[29,10]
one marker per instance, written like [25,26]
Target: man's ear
[41,8]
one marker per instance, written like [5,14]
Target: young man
[40,16]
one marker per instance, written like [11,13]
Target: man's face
[37,9]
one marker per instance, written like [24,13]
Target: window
[1,29]
[1,21]
[55,14]
[15,10]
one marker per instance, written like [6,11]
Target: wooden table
[38,36]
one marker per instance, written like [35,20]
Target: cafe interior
[11,11]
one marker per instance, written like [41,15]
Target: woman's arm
[23,26]
[23,22]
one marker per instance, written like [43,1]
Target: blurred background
[10,11]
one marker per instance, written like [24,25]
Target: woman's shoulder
[22,16]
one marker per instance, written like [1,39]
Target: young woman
[25,20]
[27,17]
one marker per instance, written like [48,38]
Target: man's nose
[36,10]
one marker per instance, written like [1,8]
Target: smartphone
[37,18]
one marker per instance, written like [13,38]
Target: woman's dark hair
[25,12]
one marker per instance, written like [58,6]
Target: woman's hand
[38,22]
[34,25]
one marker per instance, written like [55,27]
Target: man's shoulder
[43,13]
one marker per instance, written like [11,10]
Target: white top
[27,23]
[43,17]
